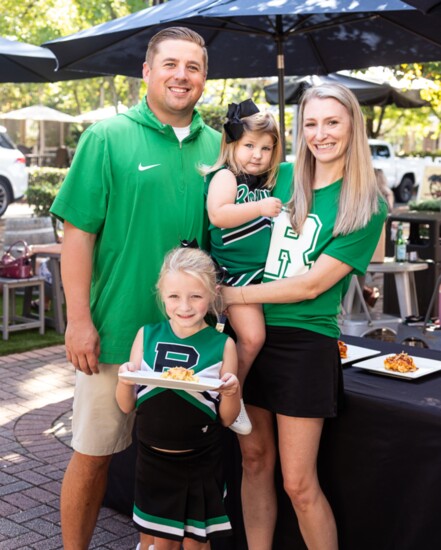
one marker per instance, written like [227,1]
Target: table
[364,323]
[55,319]
[424,240]
[11,321]
[403,273]
[380,461]
[38,159]
[379,465]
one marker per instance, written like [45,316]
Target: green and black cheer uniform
[297,372]
[180,495]
[242,250]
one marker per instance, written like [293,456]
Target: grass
[27,340]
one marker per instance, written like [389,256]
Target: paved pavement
[36,391]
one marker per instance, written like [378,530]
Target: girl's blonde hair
[359,192]
[262,123]
[198,264]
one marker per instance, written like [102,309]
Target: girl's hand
[270,207]
[231,385]
[127,367]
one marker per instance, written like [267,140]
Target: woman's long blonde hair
[262,123]
[359,192]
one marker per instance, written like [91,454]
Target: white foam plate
[149,378]
[355,353]
[425,366]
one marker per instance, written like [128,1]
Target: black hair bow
[189,244]
[234,126]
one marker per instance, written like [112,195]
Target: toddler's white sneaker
[242,425]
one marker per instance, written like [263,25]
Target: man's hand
[83,346]
[82,339]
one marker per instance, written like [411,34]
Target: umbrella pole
[281,87]
[42,143]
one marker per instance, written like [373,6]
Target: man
[133,193]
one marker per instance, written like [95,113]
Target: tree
[413,129]
[38,21]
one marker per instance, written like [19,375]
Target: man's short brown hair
[175,33]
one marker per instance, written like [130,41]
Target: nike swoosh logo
[141,168]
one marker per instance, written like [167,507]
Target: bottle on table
[400,245]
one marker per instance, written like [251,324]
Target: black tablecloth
[379,465]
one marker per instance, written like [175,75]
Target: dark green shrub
[41,197]
[39,175]
[213,115]
[433,205]
[44,184]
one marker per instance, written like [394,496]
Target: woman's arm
[126,390]
[230,392]
[222,210]
[323,275]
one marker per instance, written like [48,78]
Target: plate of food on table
[400,365]
[350,353]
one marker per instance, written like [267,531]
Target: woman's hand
[324,274]
[231,295]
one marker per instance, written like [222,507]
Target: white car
[13,173]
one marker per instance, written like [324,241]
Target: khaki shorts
[99,427]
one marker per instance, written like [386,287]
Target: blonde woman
[327,232]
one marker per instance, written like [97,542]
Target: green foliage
[213,115]
[39,176]
[44,184]
[432,205]
[228,90]
[39,21]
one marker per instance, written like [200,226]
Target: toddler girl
[240,208]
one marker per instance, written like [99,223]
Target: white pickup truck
[402,173]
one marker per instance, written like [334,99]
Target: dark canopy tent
[367,92]
[430,7]
[255,38]
[21,62]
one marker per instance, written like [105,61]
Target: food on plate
[400,362]
[180,373]
[343,349]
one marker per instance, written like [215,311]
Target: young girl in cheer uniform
[240,208]
[179,481]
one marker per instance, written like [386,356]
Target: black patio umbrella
[21,62]
[367,92]
[255,38]
[430,7]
